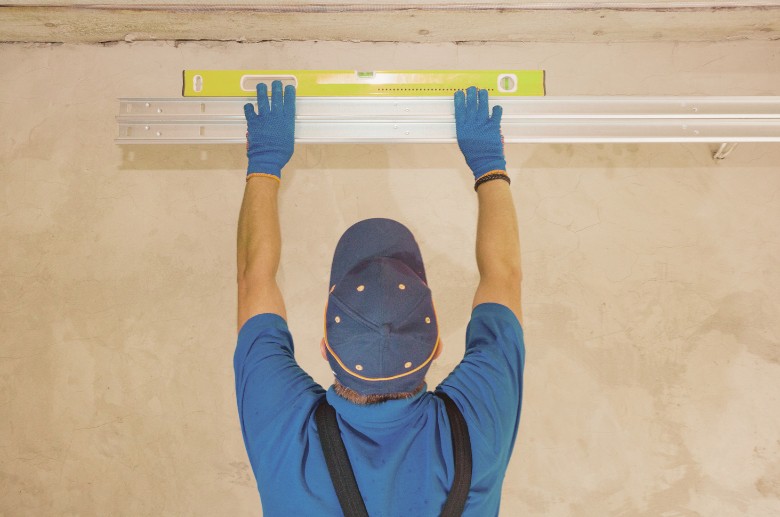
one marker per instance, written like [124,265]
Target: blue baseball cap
[381,331]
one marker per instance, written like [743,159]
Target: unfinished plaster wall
[650,293]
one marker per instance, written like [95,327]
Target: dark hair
[364,400]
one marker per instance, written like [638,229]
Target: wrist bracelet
[490,177]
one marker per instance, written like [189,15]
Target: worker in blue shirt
[380,335]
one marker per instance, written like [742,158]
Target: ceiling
[434,21]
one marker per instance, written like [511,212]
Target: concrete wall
[650,294]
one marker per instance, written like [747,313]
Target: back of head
[381,331]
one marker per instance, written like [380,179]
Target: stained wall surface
[650,283]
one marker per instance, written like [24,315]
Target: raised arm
[498,242]
[270,145]
[259,249]
[498,248]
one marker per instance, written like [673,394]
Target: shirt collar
[388,412]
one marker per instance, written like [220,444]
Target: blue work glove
[479,136]
[270,136]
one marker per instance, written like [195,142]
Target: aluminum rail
[583,119]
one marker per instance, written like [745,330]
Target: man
[380,334]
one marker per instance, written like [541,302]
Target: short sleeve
[487,385]
[272,391]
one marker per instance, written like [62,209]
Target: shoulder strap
[461,452]
[343,477]
[339,467]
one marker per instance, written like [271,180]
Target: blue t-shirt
[400,450]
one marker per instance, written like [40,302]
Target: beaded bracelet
[490,177]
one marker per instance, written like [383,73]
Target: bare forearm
[498,241]
[259,237]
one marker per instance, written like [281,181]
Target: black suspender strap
[339,467]
[343,477]
[461,452]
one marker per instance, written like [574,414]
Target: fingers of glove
[289,101]
[471,100]
[496,118]
[249,111]
[482,106]
[460,106]
[277,104]
[262,99]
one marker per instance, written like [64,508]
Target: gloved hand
[479,137]
[270,136]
